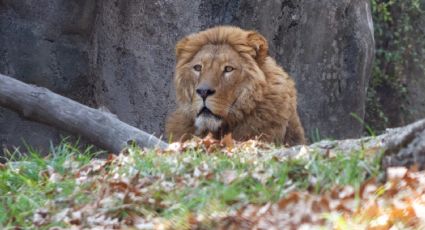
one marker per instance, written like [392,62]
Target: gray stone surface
[120,54]
[44,42]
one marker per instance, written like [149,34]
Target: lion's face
[216,71]
[217,81]
[218,76]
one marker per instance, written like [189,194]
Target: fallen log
[403,146]
[101,128]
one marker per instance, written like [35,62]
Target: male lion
[226,83]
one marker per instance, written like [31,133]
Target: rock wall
[120,54]
[44,42]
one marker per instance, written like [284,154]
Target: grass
[24,188]
[174,185]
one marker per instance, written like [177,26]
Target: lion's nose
[205,92]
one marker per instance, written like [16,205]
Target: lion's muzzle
[207,121]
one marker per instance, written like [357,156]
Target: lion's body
[250,95]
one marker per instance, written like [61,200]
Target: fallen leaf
[227,141]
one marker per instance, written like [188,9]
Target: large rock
[121,53]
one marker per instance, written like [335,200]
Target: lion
[226,82]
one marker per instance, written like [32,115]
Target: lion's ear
[259,43]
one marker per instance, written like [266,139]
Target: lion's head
[226,82]
[217,72]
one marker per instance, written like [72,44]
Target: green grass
[178,183]
[24,188]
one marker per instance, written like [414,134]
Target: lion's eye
[228,69]
[197,68]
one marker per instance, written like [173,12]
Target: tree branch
[101,128]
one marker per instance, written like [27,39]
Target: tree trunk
[101,128]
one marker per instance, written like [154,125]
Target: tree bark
[101,128]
